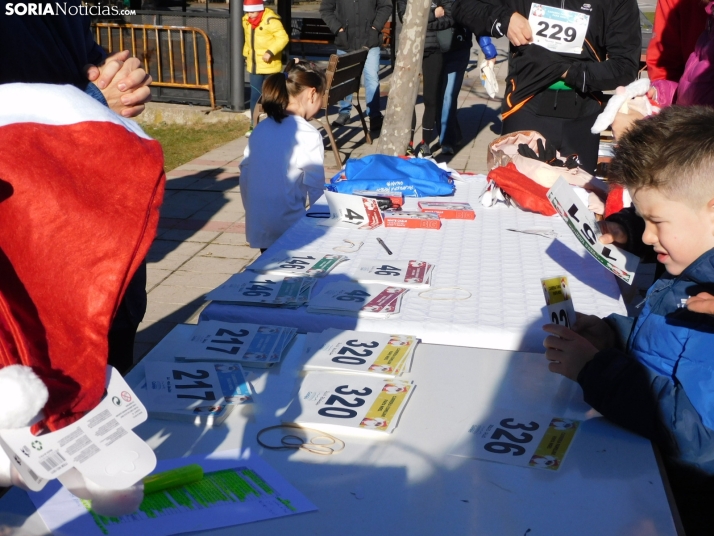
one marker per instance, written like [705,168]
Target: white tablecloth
[407,483]
[500,269]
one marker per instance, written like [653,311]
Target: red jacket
[677,26]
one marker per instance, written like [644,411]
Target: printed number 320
[513,445]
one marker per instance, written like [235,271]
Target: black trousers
[122,332]
[569,134]
[431,69]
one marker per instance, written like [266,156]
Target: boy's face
[254,15]
[679,232]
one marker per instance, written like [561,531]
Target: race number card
[558,30]
[559,300]
[251,344]
[355,299]
[250,288]
[376,354]
[584,226]
[339,402]
[187,386]
[352,211]
[309,264]
[519,438]
[409,274]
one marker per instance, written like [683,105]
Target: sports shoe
[375,123]
[341,120]
[410,149]
[447,149]
[422,150]
[249,132]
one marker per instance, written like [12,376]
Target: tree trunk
[396,130]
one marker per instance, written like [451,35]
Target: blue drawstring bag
[415,177]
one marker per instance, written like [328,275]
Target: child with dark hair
[282,166]
[654,375]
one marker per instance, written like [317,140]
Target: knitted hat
[253,6]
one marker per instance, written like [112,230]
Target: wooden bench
[343,78]
[313,31]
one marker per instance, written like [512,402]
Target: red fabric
[78,212]
[527,193]
[677,26]
[614,203]
[255,22]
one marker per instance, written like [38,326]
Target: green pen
[173,478]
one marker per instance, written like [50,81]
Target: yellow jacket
[268,36]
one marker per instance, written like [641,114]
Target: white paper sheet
[240,496]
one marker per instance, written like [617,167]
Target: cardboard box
[412,220]
[449,210]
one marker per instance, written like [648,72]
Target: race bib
[558,30]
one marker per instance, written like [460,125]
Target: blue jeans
[371,85]
[256,90]
[455,63]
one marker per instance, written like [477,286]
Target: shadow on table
[575,264]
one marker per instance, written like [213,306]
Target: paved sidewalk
[201,238]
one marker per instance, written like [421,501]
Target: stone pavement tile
[222,251]
[154,276]
[215,265]
[170,261]
[230,201]
[185,203]
[162,247]
[223,185]
[182,183]
[188,235]
[205,281]
[232,239]
[227,214]
[176,294]
[166,312]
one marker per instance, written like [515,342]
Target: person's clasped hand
[123,82]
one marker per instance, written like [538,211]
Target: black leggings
[431,70]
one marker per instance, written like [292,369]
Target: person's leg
[371,83]
[126,322]
[256,90]
[578,139]
[457,62]
[431,68]
[447,88]
[345,105]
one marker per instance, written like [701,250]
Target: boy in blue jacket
[654,375]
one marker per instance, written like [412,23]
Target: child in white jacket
[283,164]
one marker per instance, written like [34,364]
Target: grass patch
[650,16]
[183,143]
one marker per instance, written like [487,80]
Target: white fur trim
[605,119]
[22,396]
[51,104]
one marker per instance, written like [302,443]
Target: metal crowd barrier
[170,53]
